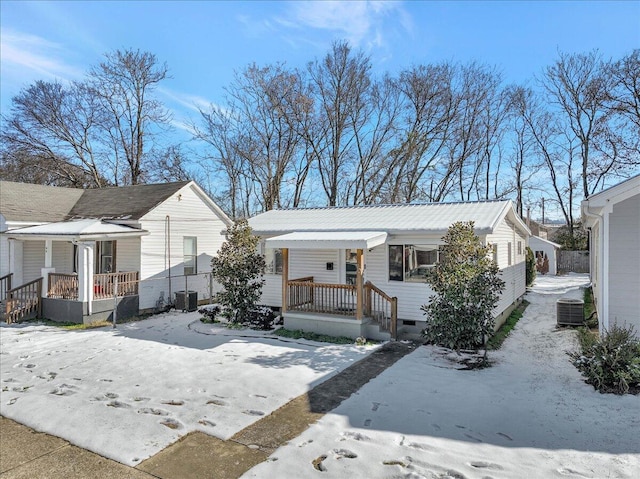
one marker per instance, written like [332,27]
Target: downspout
[167,251]
[600,262]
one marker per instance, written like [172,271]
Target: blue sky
[204,42]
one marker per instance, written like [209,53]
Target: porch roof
[87,229]
[328,240]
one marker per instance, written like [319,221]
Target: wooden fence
[573,261]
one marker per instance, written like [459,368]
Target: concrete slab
[71,462]
[20,444]
[198,455]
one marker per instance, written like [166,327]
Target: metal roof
[80,229]
[328,240]
[430,218]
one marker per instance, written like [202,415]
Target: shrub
[530,263]
[260,317]
[611,364]
[209,313]
[239,268]
[467,287]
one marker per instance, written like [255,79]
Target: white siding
[536,244]
[33,260]
[61,257]
[624,263]
[4,248]
[188,216]
[128,254]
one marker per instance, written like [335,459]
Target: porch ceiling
[328,240]
[87,229]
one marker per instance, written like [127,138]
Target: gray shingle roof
[36,203]
[126,202]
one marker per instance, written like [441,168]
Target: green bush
[530,263]
[611,363]
[467,288]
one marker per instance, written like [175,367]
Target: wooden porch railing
[63,286]
[104,285]
[5,285]
[305,295]
[24,300]
[381,307]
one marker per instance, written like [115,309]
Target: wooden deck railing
[23,301]
[63,286]
[305,295]
[5,285]
[381,307]
[104,285]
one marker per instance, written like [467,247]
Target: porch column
[85,273]
[48,262]
[359,290]
[16,248]
[285,278]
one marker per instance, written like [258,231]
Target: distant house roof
[36,203]
[125,202]
[535,238]
[431,218]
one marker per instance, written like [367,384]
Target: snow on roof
[86,228]
[329,240]
[537,238]
[434,218]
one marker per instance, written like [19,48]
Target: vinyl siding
[62,257]
[33,260]
[188,216]
[4,248]
[624,263]
[128,254]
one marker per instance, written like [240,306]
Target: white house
[544,248]
[152,240]
[360,271]
[613,219]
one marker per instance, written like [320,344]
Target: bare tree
[338,83]
[124,84]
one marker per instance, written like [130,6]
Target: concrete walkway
[25,453]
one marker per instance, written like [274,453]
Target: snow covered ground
[529,416]
[128,393]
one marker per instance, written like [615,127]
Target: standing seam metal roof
[427,218]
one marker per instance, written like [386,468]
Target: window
[189,250]
[509,253]
[495,253]
[273,260]
[411,263]
[105,257]
[351,266]
[519,247]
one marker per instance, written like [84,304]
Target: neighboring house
[361,271]
[613,220]
[542,249]
[153,240]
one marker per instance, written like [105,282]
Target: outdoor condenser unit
[186,301]
[570,312]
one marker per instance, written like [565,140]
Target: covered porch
[355,308]
[73,263]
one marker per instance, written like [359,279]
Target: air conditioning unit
[186,301]
[570,312]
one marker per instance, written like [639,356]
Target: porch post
[48,262]
[285,278]
[85,274]
[359,290]
[16,264]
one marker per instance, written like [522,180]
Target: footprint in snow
[9,380]
[375,406]
[11,401]
[486,465]
[356,436]
[206,422]
[110,395]
[340,453]
[367,422]
[29,366]
[173,402]
[506,436]
[153,411]
[139,399]
[171,423]
[63,390]
[317,463]
[106,380]
[472,437]
[567,471]
[253,412]
[118,404]
[216,402]
[436,427]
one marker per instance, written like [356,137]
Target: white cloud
[24,54]
[192,102]
[361,23]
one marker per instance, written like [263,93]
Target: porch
[354,308]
